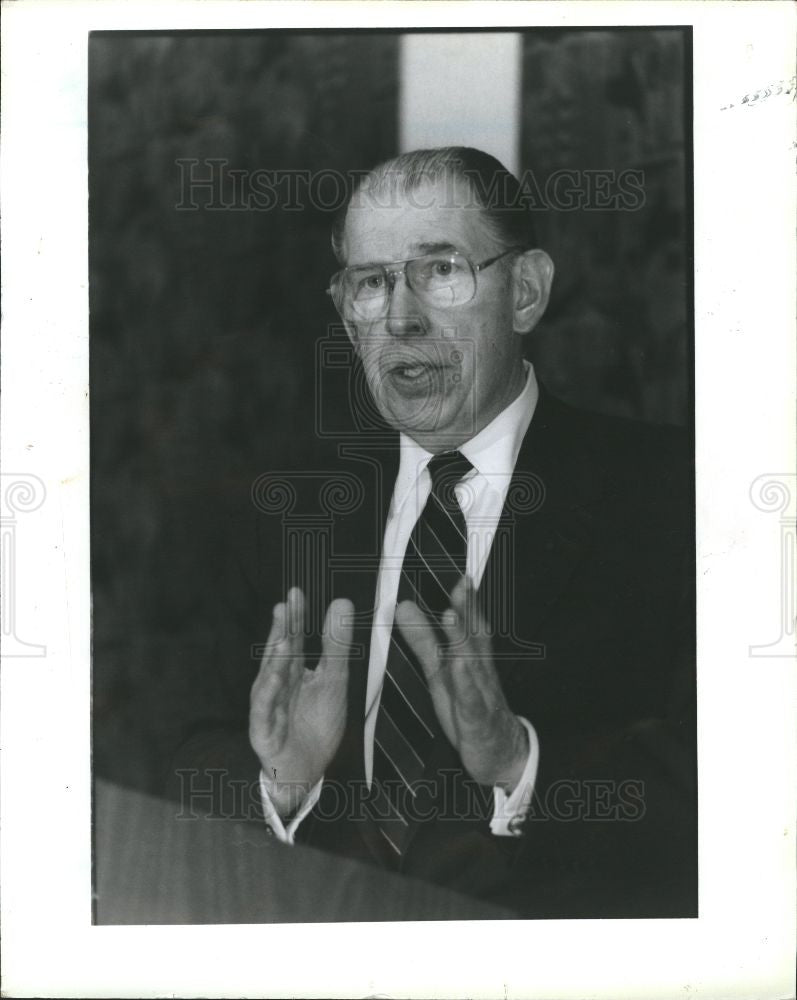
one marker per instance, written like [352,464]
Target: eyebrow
[418,249]
[434,247]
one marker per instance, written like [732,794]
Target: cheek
[495,357]
[353,333]
[364,343]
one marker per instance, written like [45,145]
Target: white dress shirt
[481,494]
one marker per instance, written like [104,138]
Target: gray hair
[494,189]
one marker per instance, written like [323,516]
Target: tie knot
[446,470]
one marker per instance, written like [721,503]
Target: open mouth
[415,368]
[414,371]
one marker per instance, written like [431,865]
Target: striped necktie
[406,724]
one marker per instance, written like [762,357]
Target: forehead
[387,224]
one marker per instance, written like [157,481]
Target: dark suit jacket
[590,590]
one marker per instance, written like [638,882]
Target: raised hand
[297,716]
[465,689]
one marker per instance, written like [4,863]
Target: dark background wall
[616,337]
[204,323]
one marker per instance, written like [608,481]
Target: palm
[300,735]
[297,716]
[474,715]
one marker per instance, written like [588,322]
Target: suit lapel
[544,531]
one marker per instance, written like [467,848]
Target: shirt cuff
[509,811]
[287,833]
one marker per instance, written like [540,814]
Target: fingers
[278,629]
[454,622]
[270,692]
[420,636]
[465,605]
[472,674]
[295,618]
[464,663]
[337,637]
[276,654]
[281,663]
[455,695]
[459,595]
[464,625]
[286,635]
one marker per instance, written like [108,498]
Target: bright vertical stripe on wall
[461,90]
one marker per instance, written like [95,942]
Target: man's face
[438,374]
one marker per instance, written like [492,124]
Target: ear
[533,277]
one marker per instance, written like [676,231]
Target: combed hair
[494,189]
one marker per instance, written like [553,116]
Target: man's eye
[371,282]
[439,269]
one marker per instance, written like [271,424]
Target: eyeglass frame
[390,268]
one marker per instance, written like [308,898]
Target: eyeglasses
[442,280]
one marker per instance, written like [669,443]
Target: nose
[403,313]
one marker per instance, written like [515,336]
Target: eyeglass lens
[439,280]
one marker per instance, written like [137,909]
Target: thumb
[337,635]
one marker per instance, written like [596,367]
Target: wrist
[510,773]
[286,796]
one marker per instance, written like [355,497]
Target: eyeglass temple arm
[492,260]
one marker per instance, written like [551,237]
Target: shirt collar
[492,452]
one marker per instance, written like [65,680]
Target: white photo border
[742,943]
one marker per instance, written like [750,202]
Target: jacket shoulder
[610,455]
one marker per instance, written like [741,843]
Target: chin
[420,415]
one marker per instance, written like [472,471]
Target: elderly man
[504,698]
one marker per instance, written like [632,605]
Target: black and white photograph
[407,553]
[392,475]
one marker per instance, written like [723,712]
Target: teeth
[412,371]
